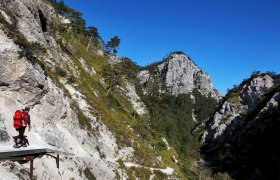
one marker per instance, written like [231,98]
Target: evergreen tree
[113,44]
[78,23]
[93,32]
[112,75]
[129,68]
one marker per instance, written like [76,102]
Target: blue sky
[228,39]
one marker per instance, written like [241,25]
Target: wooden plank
[24,152]
[15,153]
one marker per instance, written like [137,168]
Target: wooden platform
[25,152]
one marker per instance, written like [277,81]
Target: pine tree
[113,44]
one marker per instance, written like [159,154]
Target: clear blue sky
[226,38]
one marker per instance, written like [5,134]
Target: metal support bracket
[56,159]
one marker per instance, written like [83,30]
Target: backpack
[18,119]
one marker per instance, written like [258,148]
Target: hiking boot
[16,146]
[24,145]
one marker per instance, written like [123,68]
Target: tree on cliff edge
[112,45]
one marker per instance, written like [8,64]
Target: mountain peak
[178,53]
[181,75]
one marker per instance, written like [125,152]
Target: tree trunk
[108,91]
[88,44]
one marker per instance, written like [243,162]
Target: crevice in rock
[43,21]
[4,84]
[40,86]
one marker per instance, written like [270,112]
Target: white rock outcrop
[231,113]
[181,75]
[135,100]
[33,18]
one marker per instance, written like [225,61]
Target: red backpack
[18,118]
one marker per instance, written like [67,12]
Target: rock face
[232,110]
[240,136]
[252,92]
[180,75]
[54,120]
[33,18]
[137,104]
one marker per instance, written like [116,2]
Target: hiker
[21,120]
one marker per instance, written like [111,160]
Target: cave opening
[43,21]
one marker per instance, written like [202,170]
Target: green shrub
[162,145]
[142,173]
[222,176]
[61,72]
[71,79]
[234,99]
[85,122]
[121,163]
[89,174]
[37,48]
[159,175]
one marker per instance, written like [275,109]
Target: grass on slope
[114,110]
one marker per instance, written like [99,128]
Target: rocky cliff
[180,76]
[241,134]
[237,104]
[24,82]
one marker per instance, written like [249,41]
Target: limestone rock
[7,18]
[143,76]
[100,52]
[33,18]
[232,112]
[181,75]
[253,91]
[244,129]
[135,100]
